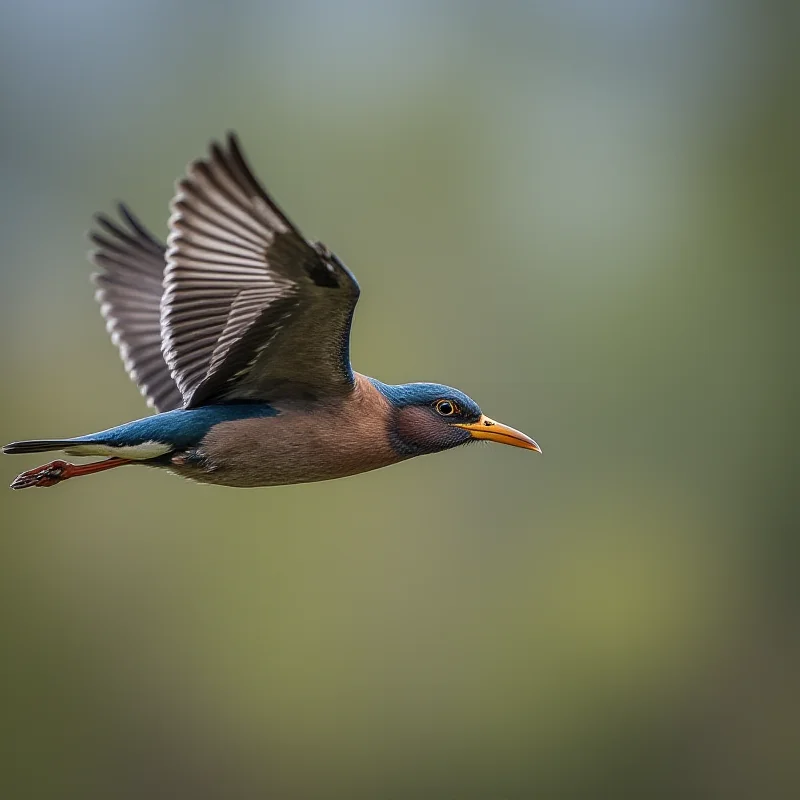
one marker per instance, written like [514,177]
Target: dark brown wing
[251,310]
[129,289]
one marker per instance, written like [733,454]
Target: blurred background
[583,215]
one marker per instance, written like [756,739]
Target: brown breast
[310,442]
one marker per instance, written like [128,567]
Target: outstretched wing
[251,310]
[129,289]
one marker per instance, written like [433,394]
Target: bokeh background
[584,215]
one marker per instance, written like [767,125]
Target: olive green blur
[583,215]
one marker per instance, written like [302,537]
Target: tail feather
[38,446]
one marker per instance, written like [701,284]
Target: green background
[583,215]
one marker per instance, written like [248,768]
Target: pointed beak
[486,428]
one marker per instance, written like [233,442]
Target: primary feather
[129,289]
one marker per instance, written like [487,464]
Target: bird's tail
[38,446]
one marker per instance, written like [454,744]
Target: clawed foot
[57,471]
[47,475]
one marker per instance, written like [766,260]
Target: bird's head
[430,417]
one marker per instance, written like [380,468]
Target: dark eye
[445,408]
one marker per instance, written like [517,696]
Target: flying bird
[237,332]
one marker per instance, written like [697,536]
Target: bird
[237,333]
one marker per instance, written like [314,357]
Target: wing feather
[250,308]
[129,289]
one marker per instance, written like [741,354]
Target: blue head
[431,417]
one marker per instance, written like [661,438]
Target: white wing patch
[138,452]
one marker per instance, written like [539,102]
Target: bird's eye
[445,408]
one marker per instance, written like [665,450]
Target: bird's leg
[57,471]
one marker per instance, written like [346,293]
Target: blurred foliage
[582,215]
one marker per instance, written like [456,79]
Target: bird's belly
[271,452]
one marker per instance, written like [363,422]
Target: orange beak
[486,428]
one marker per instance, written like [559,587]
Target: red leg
[57,471]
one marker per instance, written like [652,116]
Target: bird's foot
[47,475]
[57,471]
